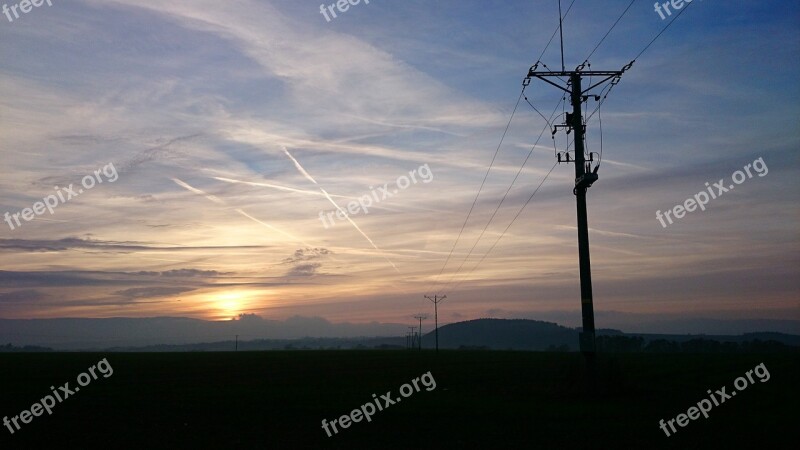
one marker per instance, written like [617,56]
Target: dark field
[486,400]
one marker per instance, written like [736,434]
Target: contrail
[333,202]
[273,228]
[198,191]
[359,229]
[276,186]
[299,167]
[221,202]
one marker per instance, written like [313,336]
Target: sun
[230,303]
[226,304]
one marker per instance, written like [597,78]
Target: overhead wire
[603,95]
[661,32]
[502,200]
[508,227]
[555,32]
[463,226]
[609,30]
[480,189]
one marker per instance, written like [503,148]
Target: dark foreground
[481,400]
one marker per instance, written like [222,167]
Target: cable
[610,87]
[474,202]
[508,227]
[504,196]
[609,30]
[600,118]
[554,32]
[661,32]
[602,99]
[540,114]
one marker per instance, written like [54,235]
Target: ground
[482,399]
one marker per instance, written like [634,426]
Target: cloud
[22,296]
[59,245]
[211,93]
[77,278]
[307,254]
[304,270]
[191,273]
[151,292]
[304,255]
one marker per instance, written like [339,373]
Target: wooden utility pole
[584,178]
[436,300]
[420,317]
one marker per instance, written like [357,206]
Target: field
[265,400]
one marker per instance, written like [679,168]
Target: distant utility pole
[237,343]
[420,317]
[584,177]
[436,300]
[412,337]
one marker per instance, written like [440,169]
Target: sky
[196,153]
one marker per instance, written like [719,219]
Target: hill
[504,334]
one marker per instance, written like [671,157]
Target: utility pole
[436,300]
[411,346]
[584,178]
[420,317]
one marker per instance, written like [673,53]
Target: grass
[482,400]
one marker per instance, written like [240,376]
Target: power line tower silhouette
[585,176]
[436,300]
[420,317]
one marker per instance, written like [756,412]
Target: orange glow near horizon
[228,304]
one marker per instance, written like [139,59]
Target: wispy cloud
[232,124]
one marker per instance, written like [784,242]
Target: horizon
[80,334]
[220,143]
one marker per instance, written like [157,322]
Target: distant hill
[255,333]
[82,334]
[523,334]
[788,339]
[503,334]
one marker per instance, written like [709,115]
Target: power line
[436,300]
[463,226]
[609,30]
[540,114]
[561,33]
[604,94]
[661,32]
[483,183]
[533,147]
[556,31]
[421,317]
[509,226]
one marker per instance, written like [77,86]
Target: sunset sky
[232,125]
